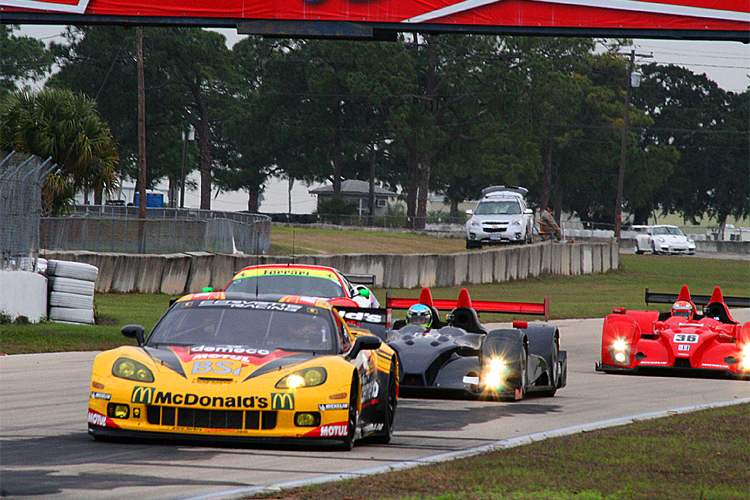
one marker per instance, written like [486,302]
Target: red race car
[679,340]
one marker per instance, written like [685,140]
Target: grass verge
[701,455]
[589,296]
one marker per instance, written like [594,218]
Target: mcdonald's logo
[143,395]
[282,401]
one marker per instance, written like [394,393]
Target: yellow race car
[220,366]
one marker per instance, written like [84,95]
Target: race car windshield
[311,286]
[498,208]
[261,325]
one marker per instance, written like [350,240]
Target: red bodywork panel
[530,308]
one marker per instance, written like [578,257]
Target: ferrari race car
[460,356]
[679,340]
[307,280]
[235,367]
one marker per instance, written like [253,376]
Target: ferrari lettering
[218,367]
[97,419]
[285,272]
[167,398]
[282,401]
[334,430]
[142,395]
[686,338]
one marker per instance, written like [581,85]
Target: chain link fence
[21,180]
[112,228]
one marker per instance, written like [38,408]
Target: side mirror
[136,332]
[364,292]
[364,343]
[470,212]
[528,211]
[207,289]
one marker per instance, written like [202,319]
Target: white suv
[501,216]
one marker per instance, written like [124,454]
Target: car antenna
[257,275]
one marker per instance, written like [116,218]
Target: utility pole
[634,80]
[141,142]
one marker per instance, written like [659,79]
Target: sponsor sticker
[683,347]
[340,430]
[333,406]
[142,395]
[282,401]
[101,395]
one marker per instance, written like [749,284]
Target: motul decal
[96,418]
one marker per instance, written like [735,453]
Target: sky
[726,63]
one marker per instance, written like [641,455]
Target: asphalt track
[46,453]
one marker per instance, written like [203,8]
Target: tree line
[448,114]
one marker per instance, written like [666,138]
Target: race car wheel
[554,370]
[524,363]
[390,408]
[348,442]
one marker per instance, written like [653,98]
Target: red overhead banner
[411,15]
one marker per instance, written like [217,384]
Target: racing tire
[71,300]
[348,442]
[68,315]
[71,285]
[390,407]
[76,270]
[554,371]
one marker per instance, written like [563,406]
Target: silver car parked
[501,216]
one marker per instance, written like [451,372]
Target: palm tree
[59,124]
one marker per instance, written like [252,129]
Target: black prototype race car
[460,357]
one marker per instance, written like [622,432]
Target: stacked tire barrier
[71,291]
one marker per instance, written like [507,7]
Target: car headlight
[309,377]
[131,369]
[495,373]
[516,222]
[745,358]
[661,239]
[473,223]
[620,352]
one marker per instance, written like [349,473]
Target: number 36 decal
[686,338]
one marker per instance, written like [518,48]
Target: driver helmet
[683,309]
[419,314]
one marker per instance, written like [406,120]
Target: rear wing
[529,308]
[360,279]
[377,321]
[700,300]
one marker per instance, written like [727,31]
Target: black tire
[523,374]
[473,244]
[390,407]
[348,442]
[554,370]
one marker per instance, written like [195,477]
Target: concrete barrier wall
[188,272]
[23,294]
